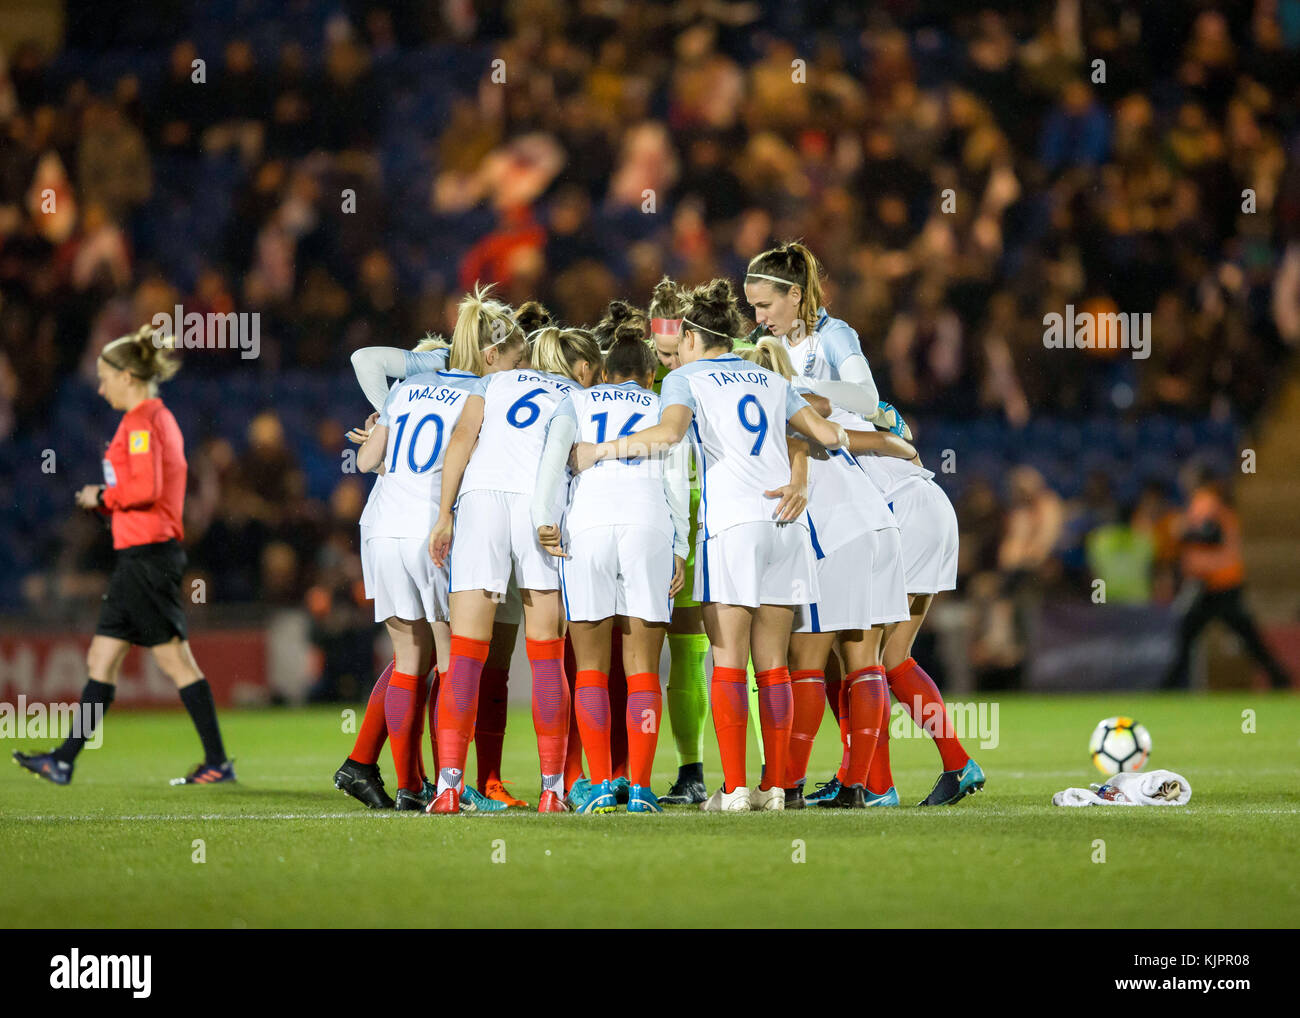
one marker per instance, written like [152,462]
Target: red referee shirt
[144,476]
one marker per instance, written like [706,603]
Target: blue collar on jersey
[449,373]
[822,318]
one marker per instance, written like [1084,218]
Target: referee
[143,493]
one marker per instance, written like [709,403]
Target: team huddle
[653,477]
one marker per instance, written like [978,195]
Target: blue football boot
[953,785]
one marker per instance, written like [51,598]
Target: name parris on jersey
[639,397]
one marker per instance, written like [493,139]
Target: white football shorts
[756,563]
[624,569]
[405,582]
[928,525]
[493,540]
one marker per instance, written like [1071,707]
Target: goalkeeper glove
[888,418]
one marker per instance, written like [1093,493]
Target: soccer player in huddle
[487,338]
[859,558]
[488,482]
[622,558]
[753,559]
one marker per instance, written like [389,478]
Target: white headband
[701,328]
[529,337]
[775,279]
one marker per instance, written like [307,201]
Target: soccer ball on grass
[1119,744]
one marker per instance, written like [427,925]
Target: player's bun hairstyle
[621,319]
[147,354]
[558,351]
[532,315]
[630,357]
[667,301]
[711,312]
[770,354]
[794,265]
[480,325]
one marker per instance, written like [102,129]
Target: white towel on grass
[1136,788]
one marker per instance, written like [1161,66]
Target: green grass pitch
[283,848]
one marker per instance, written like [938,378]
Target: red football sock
[490,725]
[591,708]
[866,690]
[421,711]
[880,777]
[432,710]
[922,700]
[573,745]
[645,706]
[374,729]
[729,694]
[458,707]
[842,712]
[775,713]
[401,710]
[807,688]
[618,689]
[552,705]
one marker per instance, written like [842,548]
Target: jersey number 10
[415,437]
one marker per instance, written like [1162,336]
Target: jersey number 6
[534,411]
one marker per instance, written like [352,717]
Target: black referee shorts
[143,602]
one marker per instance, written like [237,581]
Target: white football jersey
[516,408]
[843,503]
[888,473]
[740,412]
[820,354]
[420,414]
[616,491]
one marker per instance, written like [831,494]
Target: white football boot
[772,798]
[736,801]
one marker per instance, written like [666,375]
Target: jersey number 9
[758,427]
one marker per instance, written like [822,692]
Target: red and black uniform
[144,493]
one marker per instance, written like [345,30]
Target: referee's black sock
[197,697]
[95,700]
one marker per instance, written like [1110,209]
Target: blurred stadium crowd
[577,152]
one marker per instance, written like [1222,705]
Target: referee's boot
[363,783]
[43,765]
[208,774]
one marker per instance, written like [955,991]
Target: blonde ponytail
[147,354]
[481,324]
